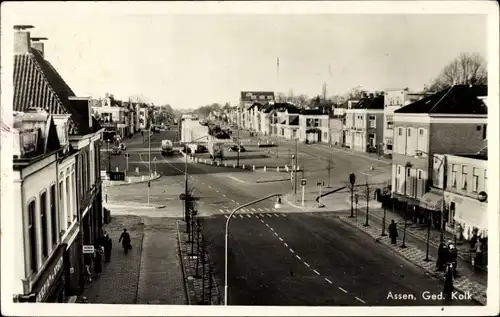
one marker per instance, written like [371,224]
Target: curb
[132,183]
[272,180]
[430,272]
[186,285]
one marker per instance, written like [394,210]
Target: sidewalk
[150,273]
[465,283]
[131,180]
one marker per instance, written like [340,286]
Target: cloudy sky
[196,59]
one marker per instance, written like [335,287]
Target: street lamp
[276,205]
[441,223]
[109,157]
[428,237]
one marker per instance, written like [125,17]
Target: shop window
[32,236]
[53,214]
[43,224]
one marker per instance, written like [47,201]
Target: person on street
[98,262]
[453,257]
[393,232]
[107,249]
[442,254]
[448,282]
[125,240]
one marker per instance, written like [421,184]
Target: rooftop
[375,102]
[458,99]
[481,155]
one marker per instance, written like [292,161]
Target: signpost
[149,190]
[127,155]
[88,249]
[320,184]
[303,183]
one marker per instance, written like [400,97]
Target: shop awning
[431,201]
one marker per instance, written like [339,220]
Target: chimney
[38,45]
[22,39]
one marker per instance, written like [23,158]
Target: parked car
[201,149]
[116,151]
[234,148]
[122,146]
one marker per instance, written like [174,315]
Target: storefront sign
[88,248]
[50,279]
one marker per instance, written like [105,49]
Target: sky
[190,60]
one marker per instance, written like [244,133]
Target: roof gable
[458,99]
[38,84]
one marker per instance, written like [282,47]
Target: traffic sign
[303,182]
[320,183]
[127,154]
[117,176]
[88,249]
[149,184]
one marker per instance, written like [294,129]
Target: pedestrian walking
[393,232]
[453,258]
[98,262]
[125,240]
[442,255]
[107,249]
[448,282]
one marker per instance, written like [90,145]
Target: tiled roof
[38,84]
[481,155]
[459,99]
[376,102]
[289,107]
[294,121]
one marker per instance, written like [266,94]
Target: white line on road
[226,216]
[241,216]
[283,215]
[259,209]
[217,190]
[274,209]
[210,186]
[286,244]
[267,225]
[307,264]
[343,290]
[316,272]
[298,257]
[233,200]
[252,209]
[272,229]
[221,210]
[261,220]
[359,299]
[328,280]
[249,216]
[275,234]
[269,215]
[224,195]
[251,212]
[291,250]
[277,216]
[281,239]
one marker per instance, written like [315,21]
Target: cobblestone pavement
[415,255]
[201,291]
[118,281]
[160,280]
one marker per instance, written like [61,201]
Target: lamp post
[109,157]
[277,205]
[441,221]
[428,237]
[383,234]
[296,163]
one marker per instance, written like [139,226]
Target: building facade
[451,121]
[314,126]
[364,124]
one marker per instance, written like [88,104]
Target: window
[409,134]
[475,179]
[464,177]
[408,172]
[452,214]
[73,195]
[397,189]
[454,170]
[419,174]
[32,236]
[372,122]
[43,224]
[68,200]
[478,128]
[484,132]
[400,131]
[62,212]
[485,181]
[421,132]
[53,213]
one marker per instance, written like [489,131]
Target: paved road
[336,265]
[306,259]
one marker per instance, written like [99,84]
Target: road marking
[224,195]
[261,220]
[316,272]
[283,215]
[217,190]
[343,290]
[241,216]
[275,234]
[281,239]
[260,209]
[252,209]
[249,216]
[221,210]
[307,264]
[267,225]
[298,257]
[251,212]
[291,250]
[286,245]
[277,216]
[328,280]
[269,215]
[272,229]
[267,209]
[210,186]
[359,299]
[274,209]
[233,200]
[226,216]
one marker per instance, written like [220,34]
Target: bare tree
[330,165]
[365,192]
[467,68]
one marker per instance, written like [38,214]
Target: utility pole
[239,144]
[149,145]
[109,157]
[296,163]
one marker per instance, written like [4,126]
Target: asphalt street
[280,256]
